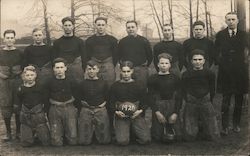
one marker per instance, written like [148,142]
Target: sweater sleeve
[115,51]
[178,96]
[155,59]
[83,54]
[211,84]
[149,52]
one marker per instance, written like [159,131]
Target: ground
[234,144]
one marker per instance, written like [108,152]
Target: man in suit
[231,56]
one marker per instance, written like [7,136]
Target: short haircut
[92,63]
[198,23]
[57,60]
[197,52]
[231,13]
[37,29]
[9,31]
[29,68]
[132,21]
[101,18]
[126,64]
[167,25]
[165,56]
[72,20]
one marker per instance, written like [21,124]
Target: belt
[65,103]
[86,105]
[102,61]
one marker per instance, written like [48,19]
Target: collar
[230,31]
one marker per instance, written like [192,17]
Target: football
[128,108]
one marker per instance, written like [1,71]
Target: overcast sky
[16,14]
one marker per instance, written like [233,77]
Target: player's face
[38,37]
[29,76]
[167,32]
[198,62]
[9,39]
[101,27]
[198,31]
[92,71]
[126,73]
[164,65]
[59,69]
[232,21]
[68,27]
[131,29]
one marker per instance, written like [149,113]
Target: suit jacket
[233,71]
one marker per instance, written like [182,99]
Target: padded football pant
[92,121]
[34,121]
[63,122]
[200,111]
[139,126]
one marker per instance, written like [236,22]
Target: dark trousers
[237,109]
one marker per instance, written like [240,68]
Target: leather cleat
[236,129]
[224,132]
[7,138]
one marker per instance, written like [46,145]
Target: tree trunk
[191,18]
[47,32]
[241,12]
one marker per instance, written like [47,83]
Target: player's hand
[136,113]
[160,117]
[120,114]
[172,118]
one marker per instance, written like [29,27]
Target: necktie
[233,33]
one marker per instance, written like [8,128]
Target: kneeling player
[62,112]
[30,97]
[164,93]
[93,115]
[127,98]
[199,91]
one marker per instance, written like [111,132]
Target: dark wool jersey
[61,89]
[37,55]
[164,87]
[30,96]
[171,47]
[94,92]
[198,83]
[10,58]
[127,92]
[69,48]
[203,44]
[135,49]
[101,47]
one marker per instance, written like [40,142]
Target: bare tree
[191,17]
[46,24]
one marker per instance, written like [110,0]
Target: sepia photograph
[124,77]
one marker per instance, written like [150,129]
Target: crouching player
[31,100]
[62,112]
[165,99]
[93,115]
[198,91]
[127,99]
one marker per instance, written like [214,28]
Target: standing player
[231,50]
[127,98]
[31,100]
[38,54]
[102,49]
[93,118]
[168,45]
[136,49]
[62,112]
[71,48]
[164,91]
[199,41]
[198,90]
[10,69]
